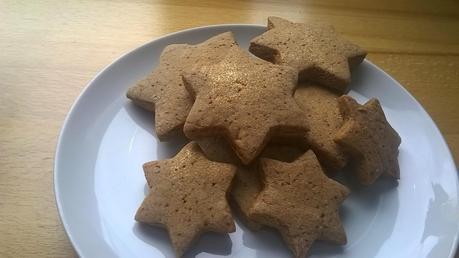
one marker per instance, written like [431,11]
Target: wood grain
[49,50]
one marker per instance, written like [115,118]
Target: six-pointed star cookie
[163,92]
[300,201]
[188,196]
[315,50]
[369,139]
[244,99]
[247,184]
[320,106]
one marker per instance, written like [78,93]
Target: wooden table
[49,50]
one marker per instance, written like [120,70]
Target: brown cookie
[300,201]
[315,50]
[163,92]
[187,196]
[244,99]
[369,139]
[324,119]
[247,183]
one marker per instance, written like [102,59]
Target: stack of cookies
[265,131]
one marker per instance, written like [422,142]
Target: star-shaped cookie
[315,50]
[300,201]
[320,106]
[369,139]
[163,92]
[244,99]
[187,196]
[247,184]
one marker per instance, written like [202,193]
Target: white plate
[99,182]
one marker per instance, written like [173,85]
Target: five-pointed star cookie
[315,50]
[320,106]
[369,139]
[187,196]
[300,201]
[163,92]
[244,99]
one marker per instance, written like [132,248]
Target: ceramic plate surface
[99,182]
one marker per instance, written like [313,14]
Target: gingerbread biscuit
[324,119]
[314,50]
[369,139]
[300,201]
[244,99]
[247,184]
[163,92]
[188,196]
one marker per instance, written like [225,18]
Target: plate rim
[85,91]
